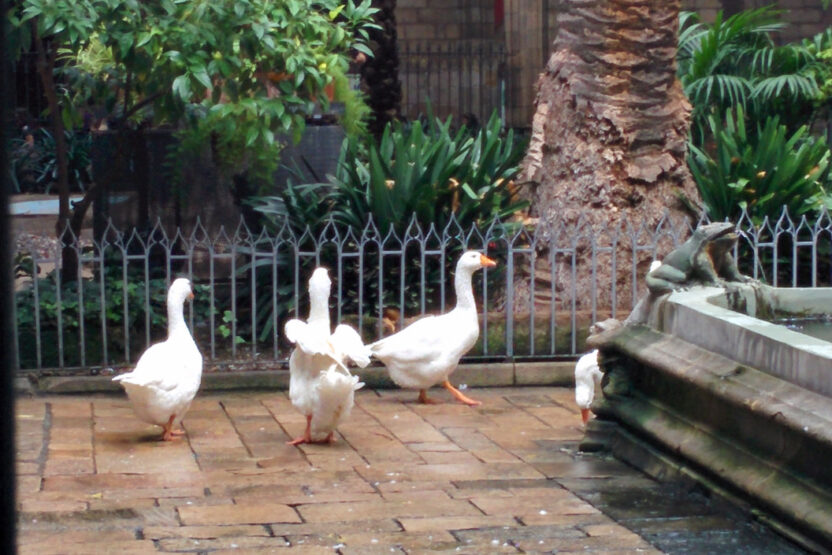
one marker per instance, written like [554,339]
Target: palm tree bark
[609,134]
[380,74]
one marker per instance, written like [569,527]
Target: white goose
[426,352]
[320,386]
[168,374]
[587,377]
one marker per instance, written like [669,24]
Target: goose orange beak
[191,296]
[487,262]
[585,415]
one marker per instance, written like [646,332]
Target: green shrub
[761,172]
[734,61]
[34,166]
[427,174]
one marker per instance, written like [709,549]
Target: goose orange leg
[459,396]
[169,433]
[307,434]
[424,399]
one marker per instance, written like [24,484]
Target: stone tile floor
[401,478]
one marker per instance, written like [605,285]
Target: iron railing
[459,78]
[551,283]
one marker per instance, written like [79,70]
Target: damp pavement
[504,477]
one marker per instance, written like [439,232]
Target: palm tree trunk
[380,74]
[609,134]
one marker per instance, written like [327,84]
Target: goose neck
[464,290]
[176,317]
[318,310]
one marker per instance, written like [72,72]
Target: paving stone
[622,543]
[107,505]
[434,447]
[333,512]
[173,502]
[203,532]
[436,540]
[39,506]
[455,523]
[126,547]
[302,550]
[303,497]
[67,537]
[213,544]
[556,502]
[331,529]
[22,468]
[69,466]
[237,514]
[461,457]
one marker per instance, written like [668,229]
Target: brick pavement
[401,478]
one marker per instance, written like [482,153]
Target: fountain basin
[738,403]
[734,323]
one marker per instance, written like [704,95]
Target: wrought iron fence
[459,78]
[551,283]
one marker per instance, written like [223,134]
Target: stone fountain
[700,385]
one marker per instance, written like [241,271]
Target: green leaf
[334,13]
[182,87]
[201,75]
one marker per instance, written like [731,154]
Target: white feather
[587,377]
[320,384]
[168,374]
[428,350]
[333,401]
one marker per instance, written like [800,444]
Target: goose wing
[347,342]
[307,338]
[153,369]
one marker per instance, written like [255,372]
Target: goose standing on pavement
[168,374]
[320,385]
[426,352]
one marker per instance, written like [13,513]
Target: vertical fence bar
[105,356]
[82,336]
[274,285]
[124,303]
[59,288]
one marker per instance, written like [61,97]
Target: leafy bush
[34,166]
[425,174]
[761,172]
[735,62]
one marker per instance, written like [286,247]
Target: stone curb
[501,374]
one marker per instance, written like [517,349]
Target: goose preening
[425,353]
[168,374]
[320,385]
[587,377]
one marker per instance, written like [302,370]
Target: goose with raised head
[587,377]
[426,352]
[320,385]
[168,374]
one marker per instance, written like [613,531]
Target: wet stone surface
[401,478]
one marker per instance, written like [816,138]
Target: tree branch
[139,105]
